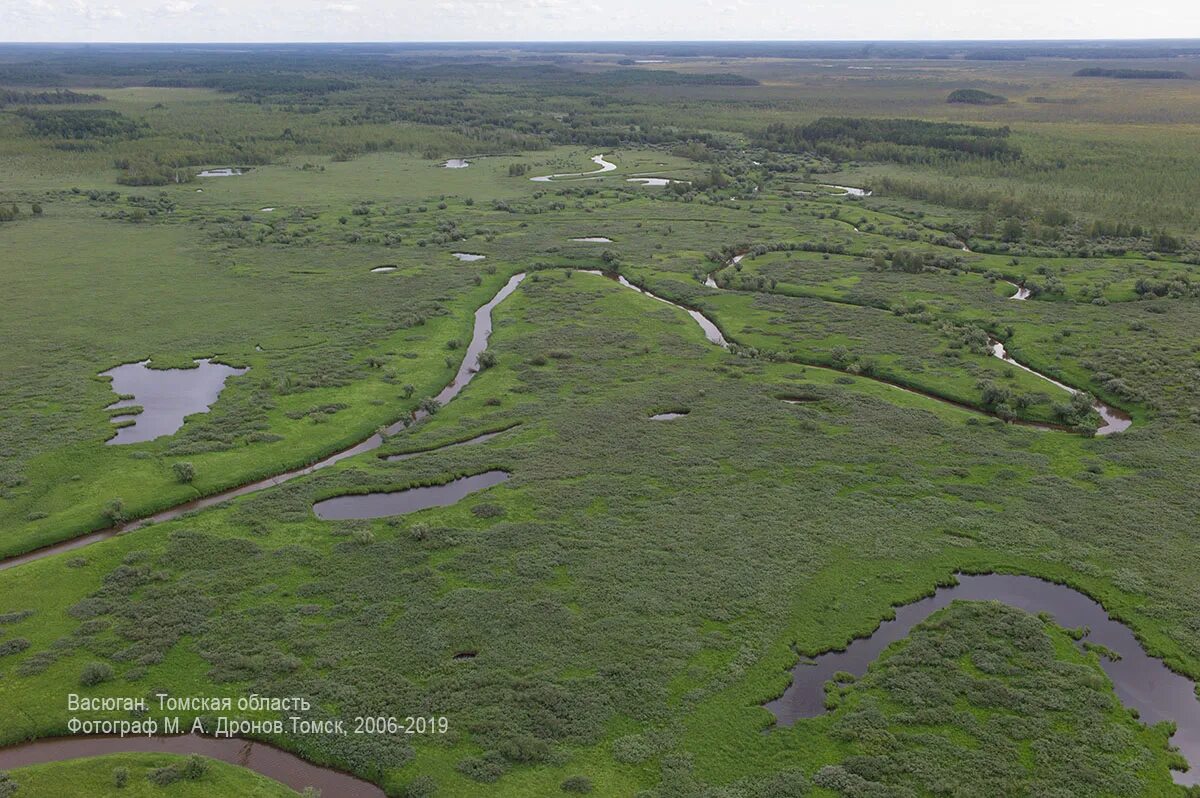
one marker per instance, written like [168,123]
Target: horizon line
[1051,40]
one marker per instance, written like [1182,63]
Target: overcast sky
[550,20]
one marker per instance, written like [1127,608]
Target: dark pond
[1141,681]
[167,396]
[259,757]
[483,329]
[381,505]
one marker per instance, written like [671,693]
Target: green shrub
[184,472]
[577,784]
[95,673]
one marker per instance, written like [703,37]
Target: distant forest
[1131,74]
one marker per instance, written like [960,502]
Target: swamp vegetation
[676,514]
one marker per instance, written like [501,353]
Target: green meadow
[611,619]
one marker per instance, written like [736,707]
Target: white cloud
[550,20]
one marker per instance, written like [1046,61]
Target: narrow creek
[1113,418]
[466,371]
[267,760]
[711,331]
[605,166]
[1141,681]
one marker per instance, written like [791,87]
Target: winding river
[1022,294]
[605,166]
[848,191]
[1113,419]
[466,371]
[267,760]
[271,762]
[1141,681]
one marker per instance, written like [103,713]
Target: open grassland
[616,613]
[558,579]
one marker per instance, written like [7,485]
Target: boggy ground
[632,593]
[617,612]
[330,355]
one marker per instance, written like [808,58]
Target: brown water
[166,396]
[261,758]
[1114,419]
[482,330]
[400,502]
[1141,681]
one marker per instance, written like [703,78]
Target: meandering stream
[605,166]
[1113,418]
[466,371]
[1141,681]
[271,762]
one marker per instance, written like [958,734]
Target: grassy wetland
[667,525]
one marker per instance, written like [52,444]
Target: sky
[589,20]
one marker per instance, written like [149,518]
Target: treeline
[162,167]
[1012,219]
[898,140]
[56,97]
[1131,74]
[256,83]
[29,75]
[90,124]
[531,75]
[975,97]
